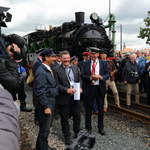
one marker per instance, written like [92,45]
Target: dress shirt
[70,75]
[96,71]
[48,68]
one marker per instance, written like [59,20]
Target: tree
[145,32]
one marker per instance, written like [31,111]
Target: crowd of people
[53,82]
[53,86]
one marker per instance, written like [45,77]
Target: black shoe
[25,109]
[101,131]
[67,141]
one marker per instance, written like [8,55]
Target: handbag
[30,78]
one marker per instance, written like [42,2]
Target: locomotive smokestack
[79,18]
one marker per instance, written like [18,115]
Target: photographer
[11,49]
[12,52]
[131,77]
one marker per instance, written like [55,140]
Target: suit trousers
[93,93]
[44,130]
[66,112]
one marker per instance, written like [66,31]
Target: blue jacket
[45,87]
[141,61]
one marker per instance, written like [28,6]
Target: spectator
[74,60]
[146,75]
[110,83]
[131,78]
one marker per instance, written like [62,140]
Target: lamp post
[120,37]
[109,18]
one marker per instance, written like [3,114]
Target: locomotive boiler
[75,36]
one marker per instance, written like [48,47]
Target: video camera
[6,40]
[84,141]
[4,17]
[9,77]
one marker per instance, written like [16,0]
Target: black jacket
[9,76]
[63,83]
[45,87]
[131,72]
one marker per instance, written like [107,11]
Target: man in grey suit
[66,75]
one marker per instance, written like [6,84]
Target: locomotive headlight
[94,17]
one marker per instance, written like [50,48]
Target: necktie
[93,68]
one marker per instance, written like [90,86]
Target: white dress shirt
[49,68]
[96,71]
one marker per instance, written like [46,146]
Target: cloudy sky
[29,15]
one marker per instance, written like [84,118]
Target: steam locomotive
[75,36]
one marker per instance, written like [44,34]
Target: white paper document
[76,86]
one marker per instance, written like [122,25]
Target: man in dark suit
[86,56]
[66,75]
[94,75]
[45,88]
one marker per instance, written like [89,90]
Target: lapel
[63,73]
[74,72]
[50,77]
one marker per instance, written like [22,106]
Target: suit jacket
[63,83]
[45,87]
[86,75]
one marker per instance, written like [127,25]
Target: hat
[73,58]
[93,49]
[39,51]
[47,52]
[86,53]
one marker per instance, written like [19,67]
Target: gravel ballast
[122,133]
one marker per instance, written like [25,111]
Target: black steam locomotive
[75,36]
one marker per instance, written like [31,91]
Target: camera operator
[9,126]
[13,50]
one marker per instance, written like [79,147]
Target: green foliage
[145,32]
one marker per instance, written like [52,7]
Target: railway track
[138,111]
